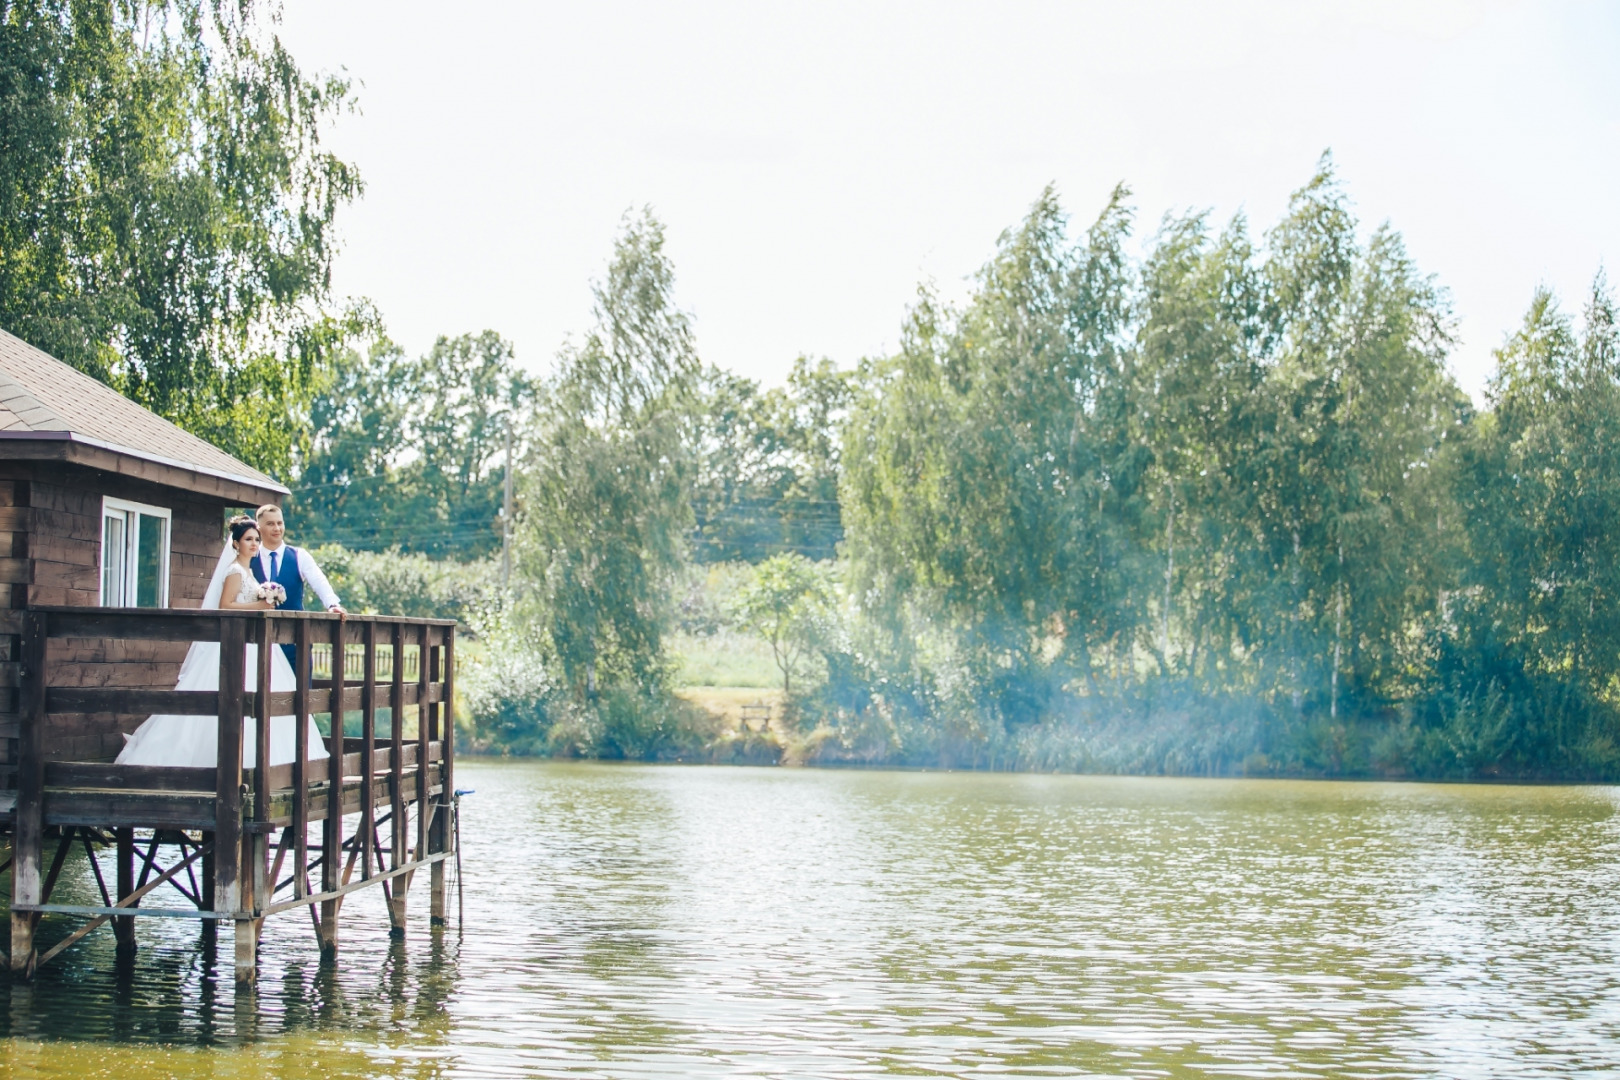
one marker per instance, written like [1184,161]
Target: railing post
[424,732]
[300,768]
[256,845]
[368,735]
[445,735]
[28,821]
[396,783]
[228,793]
[332,833]
[261,726]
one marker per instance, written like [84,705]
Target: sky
[815,163]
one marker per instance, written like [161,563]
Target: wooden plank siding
[50,553]
[14,500]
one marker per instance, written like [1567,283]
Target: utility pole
[506,514]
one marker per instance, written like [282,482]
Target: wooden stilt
[368,749]
[424,677]
[438,722]
[300,765]
[28,825]
[396,785]
[264,646]
[332,831]
[257,847]
[210,927]
[124,925]
[228,794]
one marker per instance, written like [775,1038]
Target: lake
[634,921]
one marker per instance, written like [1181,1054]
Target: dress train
[193,741]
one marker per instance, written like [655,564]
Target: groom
[290,568]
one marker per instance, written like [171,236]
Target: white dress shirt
[306,569]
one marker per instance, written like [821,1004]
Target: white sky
[814,162]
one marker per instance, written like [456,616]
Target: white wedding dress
[193,741]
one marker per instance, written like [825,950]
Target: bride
[193,741]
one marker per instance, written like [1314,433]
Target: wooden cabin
[111,523]
[105,505]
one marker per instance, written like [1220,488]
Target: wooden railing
[395,665]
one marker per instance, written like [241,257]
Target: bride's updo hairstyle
[240,524]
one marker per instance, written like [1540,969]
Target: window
[134,554]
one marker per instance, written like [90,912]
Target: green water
[663,921]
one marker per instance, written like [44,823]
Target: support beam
[103,914]
[28,822]
[397,874]
[441,726]
[396,785]
[332,830]
[300,765]
[228,793]
[124,925]
[424,732]
[258,857]
[368,747]
[210,927]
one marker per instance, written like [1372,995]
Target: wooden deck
[241,837]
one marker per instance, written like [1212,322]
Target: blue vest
[287,576]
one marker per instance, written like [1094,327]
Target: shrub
[395,583]
[508,694]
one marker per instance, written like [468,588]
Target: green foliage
[768,463]
[995,479]
[416,586]
[166,210]
[410,454]
[509,694]
[1101,500]
[1217,467]
[706,596]
[1296,408]
[604,494]
[515,708]
[727,657]
[788,603]
[1530,667]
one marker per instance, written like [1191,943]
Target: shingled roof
[51,410]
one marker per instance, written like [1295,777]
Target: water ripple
[661,921]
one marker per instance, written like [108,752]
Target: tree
[1204,342]
[807,418]
[167,212]
[1297,407]
[1334,484]
[995,474]
[411,453]
[738,477]
[768,463]
[786,603]
[605,509]
[1539,489]
[346,484]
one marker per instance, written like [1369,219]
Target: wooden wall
[50,552]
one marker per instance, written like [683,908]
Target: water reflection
[629,921]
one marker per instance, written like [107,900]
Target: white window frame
[132,543]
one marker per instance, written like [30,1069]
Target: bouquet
[272,592]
